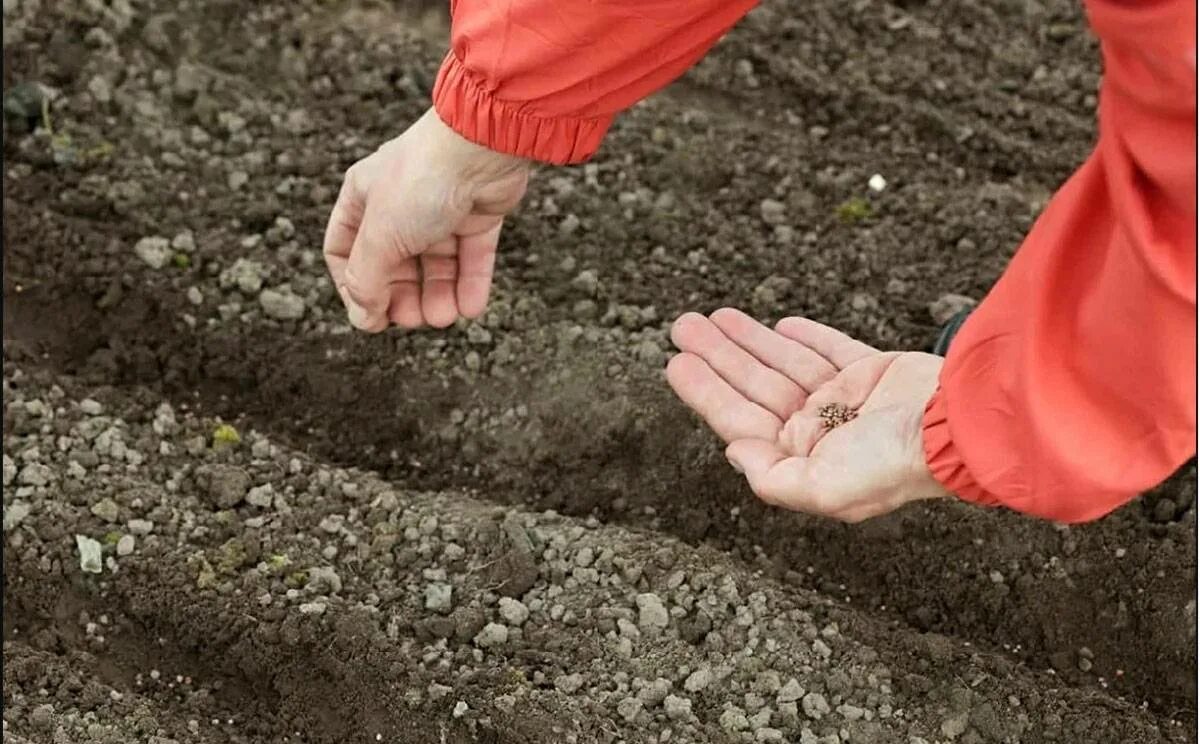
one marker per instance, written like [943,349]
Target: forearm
[1071,388]
[531,79]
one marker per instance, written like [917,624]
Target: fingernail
[736,467]
[357,313]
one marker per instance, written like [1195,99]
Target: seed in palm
[836,414]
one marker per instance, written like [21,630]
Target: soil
[510,531]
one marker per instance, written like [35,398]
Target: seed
[835,414]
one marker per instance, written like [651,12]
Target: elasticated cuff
[943,458]
[472,111]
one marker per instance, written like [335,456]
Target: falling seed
[877,183]
[835,414]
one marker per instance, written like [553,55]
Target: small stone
[627,629]
[773,212]
[568,683]
[513,611]
[569,224]
[313,608]
[629,708]
[815,706]
[155,251]
[768,734]
[651,612]
[439,598]
[790,692]
[822,649]
[655,692]
[492,635]
[460,709]
[126,545]
[677,708]
[107,510]
[15,513]
[698,680]
[733,720]
[281,304]
[587,282]
[90,554]
[34,474]
[261,496]
[954,726]
[851,712]
[227,485]
[948,305]
[140,526]
[91,407]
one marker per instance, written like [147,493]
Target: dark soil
[223,128]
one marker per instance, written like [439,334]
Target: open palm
[762,391]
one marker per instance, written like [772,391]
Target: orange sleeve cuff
[472,111]
[942,457]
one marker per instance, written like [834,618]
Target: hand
[412,237]
[763,390]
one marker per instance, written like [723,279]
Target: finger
[801,433]
[439,283]
[852,387]
[698,335]
[837,347]
[725,410]
[476,262]
[778,478]
[799,363]
[344,221]
[375,262]
[405,307]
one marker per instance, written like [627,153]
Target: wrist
[474,164]
[922,482]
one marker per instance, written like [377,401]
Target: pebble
[460,709]
[281,304]
[655,692]
[155,251]
[10,470]
[313,608]
[651,612]
[773,212]
[629,708]
[34,475]
[126,545]
[568,683]
[948,305]
[15,513]
[768,734]
[954,726]
[790,692]
[107,510]
[733,720]
[90,560]
[698,680]
[815,706]
[513,611]
[677,708]
[439,598]
[261,496]
[227,485]
[140,526]
[91,407]
[492,635]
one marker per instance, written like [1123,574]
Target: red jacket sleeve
[1072,387]
[543,79]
